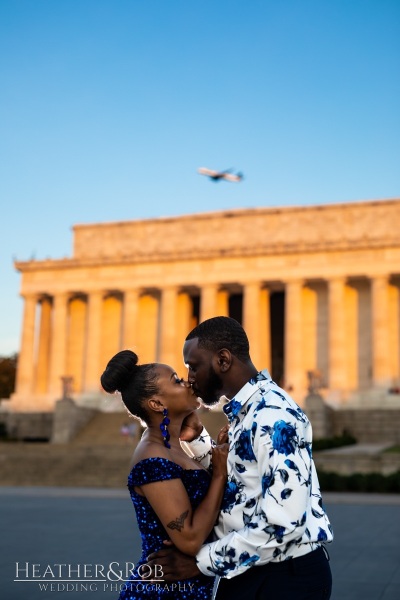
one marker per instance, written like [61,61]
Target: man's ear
[155,405]
[224,360]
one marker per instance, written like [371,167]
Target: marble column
[168,320]
[26,360]
[222,303]
[111,328]
[352,332]
[93,368]
[76,341]
[184,324]
[130,320]
[58,351]
[294,378]
[309,328]
[394,333]
[208,302]
[265,330]
[381,372]
[337,334]
[251,319]
[147,345]
[43,354]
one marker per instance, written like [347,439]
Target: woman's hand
[223,435]
[219,460]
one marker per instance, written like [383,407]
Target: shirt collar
[235,405]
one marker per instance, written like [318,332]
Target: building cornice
[236,233]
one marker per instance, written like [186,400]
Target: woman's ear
[155,405]
[224,360]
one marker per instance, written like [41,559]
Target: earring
[164,428]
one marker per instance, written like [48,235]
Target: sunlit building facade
[316,288]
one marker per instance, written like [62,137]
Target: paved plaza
[77,527]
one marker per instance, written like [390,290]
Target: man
[272,523]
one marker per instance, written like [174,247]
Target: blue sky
[108,107]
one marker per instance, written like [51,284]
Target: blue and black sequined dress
[153,533]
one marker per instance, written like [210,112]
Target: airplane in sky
[217,175]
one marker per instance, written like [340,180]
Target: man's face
[206,383]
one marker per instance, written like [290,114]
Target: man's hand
[175,565]
[191,427]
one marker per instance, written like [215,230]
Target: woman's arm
[188,528]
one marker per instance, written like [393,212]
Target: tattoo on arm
[178,523]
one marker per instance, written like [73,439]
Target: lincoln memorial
[315,287]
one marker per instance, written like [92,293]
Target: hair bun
[119,371]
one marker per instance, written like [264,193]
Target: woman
[175,498]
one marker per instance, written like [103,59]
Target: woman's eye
[178,380]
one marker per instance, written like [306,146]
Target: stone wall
[369,426]
[29,426]
[69,420]
[357,460]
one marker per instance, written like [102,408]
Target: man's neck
[243,373]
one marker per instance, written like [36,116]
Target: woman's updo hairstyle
[136,383]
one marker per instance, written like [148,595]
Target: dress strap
[153,469]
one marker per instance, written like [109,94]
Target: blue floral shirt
[272,508]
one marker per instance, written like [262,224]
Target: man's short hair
[222,332]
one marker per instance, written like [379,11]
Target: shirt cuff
[203,561]
[201,446]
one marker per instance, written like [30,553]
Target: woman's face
[178,392]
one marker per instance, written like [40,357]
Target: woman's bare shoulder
[146,450]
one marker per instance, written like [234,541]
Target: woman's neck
[174,429]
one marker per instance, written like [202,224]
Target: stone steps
[99,456]
[104,429]
[65,465]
